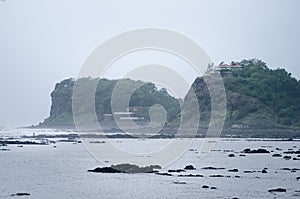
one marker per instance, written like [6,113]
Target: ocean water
[61,172]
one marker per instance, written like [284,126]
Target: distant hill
[257,98]
[143,97]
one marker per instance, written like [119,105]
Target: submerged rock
[164,174]
[176,171]
[277,190]
[4,149]
[213,168]
[276,155]
[191,175]
[178,182]
[126,168]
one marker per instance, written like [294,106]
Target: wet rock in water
[235,198]
[249,171]
[256,151]
[278,149]
[242,155]
[289,169]
[231,155]
[191,175]
[276,155]
[213,168]
[237,176]
[177,182]
[205,186]
[176,171]
[233,170]
[213,188]
[4,149]
[298,178]
[277,190]
[298,156]
[216,176]
[287,157]
[264,171]
[21,194]
[296,159]
[189,167]
[164,174]
[105,170]
[126,168]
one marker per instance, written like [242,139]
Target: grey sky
[43,42]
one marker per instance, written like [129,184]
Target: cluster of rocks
[256,151]
[126,168]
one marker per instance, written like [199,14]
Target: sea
[59,170]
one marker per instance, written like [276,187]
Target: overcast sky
[45,41]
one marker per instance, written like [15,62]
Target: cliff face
[143,97]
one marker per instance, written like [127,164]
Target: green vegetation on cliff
[257,97]
[145,96]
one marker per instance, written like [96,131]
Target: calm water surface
[61,173]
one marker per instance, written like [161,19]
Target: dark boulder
[21,194]
[189,167]
[216,176]
[205,187]
[231,155]
[277,190]
[264,171]
[233,170]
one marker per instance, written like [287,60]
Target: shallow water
[61,172]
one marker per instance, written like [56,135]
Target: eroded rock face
[126,168]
